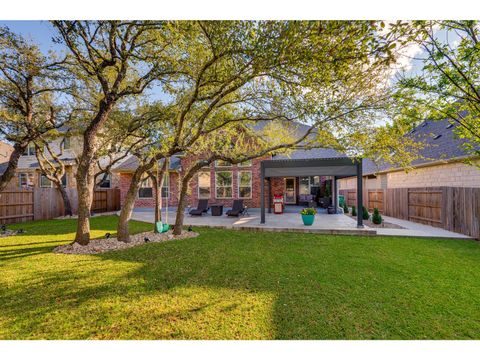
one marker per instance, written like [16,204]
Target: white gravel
[103,245]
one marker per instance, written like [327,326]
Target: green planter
[308,219]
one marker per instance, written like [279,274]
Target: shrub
[354,210]
[376,217]
[345,208]
[365,214]
[308,211]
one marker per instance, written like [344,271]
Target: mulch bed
[384,224]
[98,246]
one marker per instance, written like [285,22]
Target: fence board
[16,206]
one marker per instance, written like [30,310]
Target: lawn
[238,285]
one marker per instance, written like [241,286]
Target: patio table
[217,209]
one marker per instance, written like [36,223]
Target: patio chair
[202,207]
[237,208]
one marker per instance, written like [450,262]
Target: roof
[333,166]
[3,167]
[131,164]
[440,143]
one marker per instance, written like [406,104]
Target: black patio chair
[237,208]
[202,207]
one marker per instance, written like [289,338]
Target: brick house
[221,182]
[442,163]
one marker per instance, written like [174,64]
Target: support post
[269,180]
[262,193]
[335,194]
[359,194]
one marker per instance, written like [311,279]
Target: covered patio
[337,168]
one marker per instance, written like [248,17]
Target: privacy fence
[46,203]
[452,208]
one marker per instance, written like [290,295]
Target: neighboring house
[221,182]
[5,152]
[442,163]
[28,172]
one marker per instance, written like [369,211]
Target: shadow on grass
[324,287]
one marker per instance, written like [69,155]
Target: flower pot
[308,219]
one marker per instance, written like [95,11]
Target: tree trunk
[18,150]
[127,208]
[158,180]
[85,184]
[182,203]
[67,205]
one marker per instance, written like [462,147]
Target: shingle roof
[440,143]
[132,163]
[3,167]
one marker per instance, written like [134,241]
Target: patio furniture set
[217,209]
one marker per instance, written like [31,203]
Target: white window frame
[216,184]
[28,176]
[222,166]
[42,176]
[142,186]
[249,161]
[209,185]
[238,184]
[30,146]
[109,176]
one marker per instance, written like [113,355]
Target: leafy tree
[447,87]
[30,83]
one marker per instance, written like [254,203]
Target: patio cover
[338,167]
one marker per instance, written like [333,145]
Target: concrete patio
[291,221]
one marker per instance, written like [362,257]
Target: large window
[46,183]
[222,163]
[244,184]
[204,185]
[25,180]
[223,184]
[309,185]
[246,163]
[145,191]
[30,150]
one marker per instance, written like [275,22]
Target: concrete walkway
[292,221]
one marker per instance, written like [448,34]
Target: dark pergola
[337,167]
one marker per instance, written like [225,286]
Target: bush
[308,211]
[365,214]
[345,208]
[354,210]
[376,217]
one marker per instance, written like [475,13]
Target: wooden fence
[46,203]
[452,208]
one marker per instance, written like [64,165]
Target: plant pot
[308,219]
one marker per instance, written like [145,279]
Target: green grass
[238,285]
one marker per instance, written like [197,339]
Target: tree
[447,87]
[29,85]
[112,60]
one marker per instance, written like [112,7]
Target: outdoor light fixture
[107,235]
[146,239]
[20,231]
[190,228]
[4,228]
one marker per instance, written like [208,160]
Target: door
[290,193]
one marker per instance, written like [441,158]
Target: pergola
[340,167]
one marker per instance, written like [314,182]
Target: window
[223,183]
[222,163]
[66,143]
[166,185]
[246,163]
[204,185]
[308,185]
[244,184]
[25,180]
[64,181]
[45,182]
[145,190]
[106,181]
[30,150]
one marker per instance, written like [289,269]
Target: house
[222,182]
[442,163]
[5,152]
[28,174]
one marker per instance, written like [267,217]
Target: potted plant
[308,216]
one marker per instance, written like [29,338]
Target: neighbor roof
[440,143]
[131,164]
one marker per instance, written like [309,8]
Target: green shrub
[365,213]
[354,210]
[308,211]
[376,217]
[345,208]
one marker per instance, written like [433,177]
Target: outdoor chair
[202,207]
[237,208]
